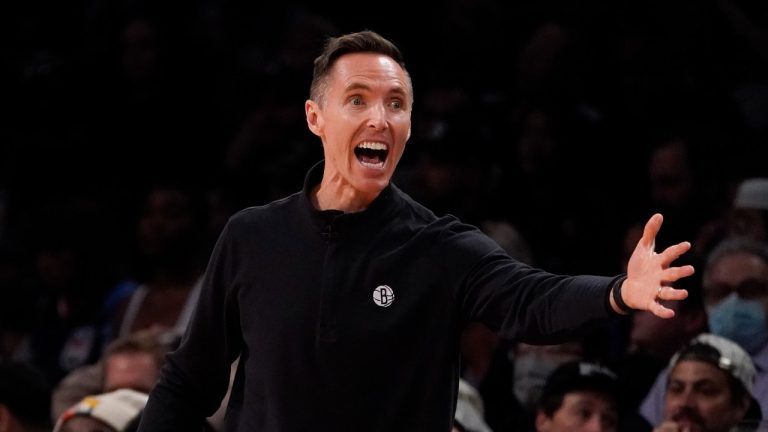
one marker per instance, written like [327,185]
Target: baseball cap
[579,376]
[116,409]
[724,354]
[752,193]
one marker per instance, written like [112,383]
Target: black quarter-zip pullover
[351,322]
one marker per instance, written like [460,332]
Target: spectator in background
[709,387]
[735,283]
[746,217]
[653,341]
[265,158]
[533,364]
[107,412]
[579,396]
[132,362]
[518,375]
[675,191]
[172,243]
[749,216]
[25,398]
[76,264]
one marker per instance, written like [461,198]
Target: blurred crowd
[133,130]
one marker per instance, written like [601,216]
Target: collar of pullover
[335,222]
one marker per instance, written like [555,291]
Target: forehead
[692,371]
[587,398]
[370,70]
[130,358]
[735,267]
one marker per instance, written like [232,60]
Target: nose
[377,118]
[682,401]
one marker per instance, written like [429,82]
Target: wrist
[617,297]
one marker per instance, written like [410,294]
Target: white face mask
[530,373]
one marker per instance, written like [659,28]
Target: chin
[372,187]
[372,181]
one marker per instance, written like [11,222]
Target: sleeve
[516,300]
[195,377]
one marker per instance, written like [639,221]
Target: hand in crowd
[672,426]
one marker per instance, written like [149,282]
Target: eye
[752,288]
[674,388]
[717,292]
[709,389]
[584,414]
[396,104]
[356,100]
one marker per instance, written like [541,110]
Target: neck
[334,194]
[324,199]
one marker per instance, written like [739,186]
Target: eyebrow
[695,382]
[398,90]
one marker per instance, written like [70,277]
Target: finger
[673,274]
[660,311]
[651,229]
[675,251]
[669,293]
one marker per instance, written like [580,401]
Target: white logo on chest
[383,295]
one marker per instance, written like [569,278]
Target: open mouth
[372,154]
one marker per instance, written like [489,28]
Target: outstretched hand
[649,274]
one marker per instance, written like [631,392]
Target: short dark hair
[365,41]
[735,245]
[576,376]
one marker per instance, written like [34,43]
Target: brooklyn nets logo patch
[383,296]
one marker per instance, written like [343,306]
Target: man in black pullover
[345,301]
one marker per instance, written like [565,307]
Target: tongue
[373,160]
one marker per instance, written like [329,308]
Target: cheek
[404,128]
[565,420]
[713,411]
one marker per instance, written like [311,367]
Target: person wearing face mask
[520,370]
[534,363]
[735,283]
[736,293]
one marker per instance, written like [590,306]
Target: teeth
[370,145]
[373,165]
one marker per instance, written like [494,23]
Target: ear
[741,410]
[314,117]
[5,418]
[542,421]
